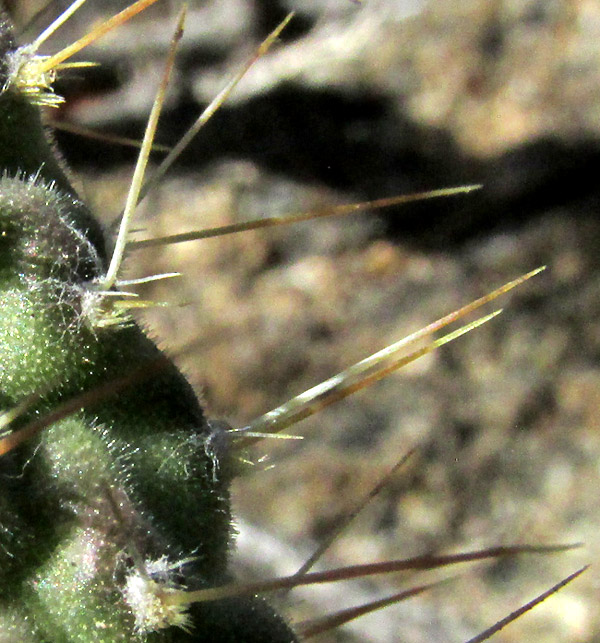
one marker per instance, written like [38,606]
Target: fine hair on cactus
[116,518]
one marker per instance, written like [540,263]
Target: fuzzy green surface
[138,478]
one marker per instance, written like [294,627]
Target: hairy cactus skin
[118,505]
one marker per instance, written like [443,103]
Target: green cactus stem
[111,511]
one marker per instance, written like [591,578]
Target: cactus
[115,512]
[94,543]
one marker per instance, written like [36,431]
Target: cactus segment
[111,511]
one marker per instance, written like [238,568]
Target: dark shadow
[362,144]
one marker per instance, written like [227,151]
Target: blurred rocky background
[361,101]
